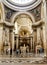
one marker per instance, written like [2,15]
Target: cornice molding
[7,23]
[41,22]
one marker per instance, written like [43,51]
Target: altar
[21,41]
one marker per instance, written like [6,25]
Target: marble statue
[24,50]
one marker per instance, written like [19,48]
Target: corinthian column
[44,40]
[12,39]
[31,42]
[43,10]
[43,16]
[38,35]
[16,41]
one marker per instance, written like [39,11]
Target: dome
[21,4]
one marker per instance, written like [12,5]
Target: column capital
[43,1]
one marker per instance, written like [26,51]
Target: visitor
[38,48]
[10,52]
[6,51]
[17,52]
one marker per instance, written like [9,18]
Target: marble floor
[33,60]
[19,64]
[13,60]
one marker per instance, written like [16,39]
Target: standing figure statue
[27,49]
[24,50]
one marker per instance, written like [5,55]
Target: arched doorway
[24,37]
[23,24]
[23,31]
